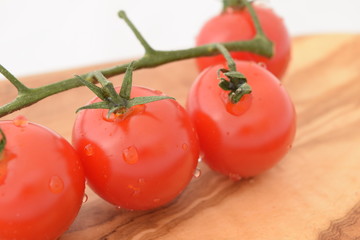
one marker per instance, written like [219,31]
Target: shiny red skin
[42,183]
[236,25]
[166,149]
[245,139]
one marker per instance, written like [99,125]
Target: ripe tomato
[141,159]
[235,25]
[244,139]
[42,182]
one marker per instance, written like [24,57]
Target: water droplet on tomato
[89,150]
[85,198]
[20,121]
[141,181]
[156,200]
[158,92]
[235,176]
[135,190]
[262,64]
[56,184]
[130,155]
[197,173]
[185,147]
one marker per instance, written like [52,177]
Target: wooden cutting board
[313,193]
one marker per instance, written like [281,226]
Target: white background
[39,36]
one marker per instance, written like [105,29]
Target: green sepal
[2,141]
[143,100]
[126,85]
[95,89]
[236,95]
[235,75]
[107,88]
[225,84]
[97,105]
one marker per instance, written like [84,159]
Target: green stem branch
[260,44]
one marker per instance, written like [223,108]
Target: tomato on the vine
[140,159]
[244,139]
[42,182]
[235,25]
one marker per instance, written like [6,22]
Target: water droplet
[197,173]
[141,181]
[136,190]
[56,184]
[20,121]
[158,92]
[185,147]
[89,150]
[130,155]
[262,64]
[235,176]
[156,200]
[85,198]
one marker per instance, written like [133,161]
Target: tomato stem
[152,58]
[14,81]
[234,4]
[229,60]
[2,142]
[144,43]
[255,19]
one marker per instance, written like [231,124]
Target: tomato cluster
[142,157]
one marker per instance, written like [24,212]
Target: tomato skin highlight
[245,139]
[42,183]
[140,161]
[236,25]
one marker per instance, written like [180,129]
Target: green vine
[260,44]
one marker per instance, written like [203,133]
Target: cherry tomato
[244,139]
[42,182]
[141,159]
[236,25]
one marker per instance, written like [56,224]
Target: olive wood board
[313,193]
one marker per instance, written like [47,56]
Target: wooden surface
[313,193]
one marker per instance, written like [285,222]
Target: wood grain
[313,193]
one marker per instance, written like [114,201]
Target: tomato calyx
[118,103]
[235,82]
[2,143]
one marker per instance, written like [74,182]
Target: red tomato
[139,160]
[235,25]
[42,182]
[244,139]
